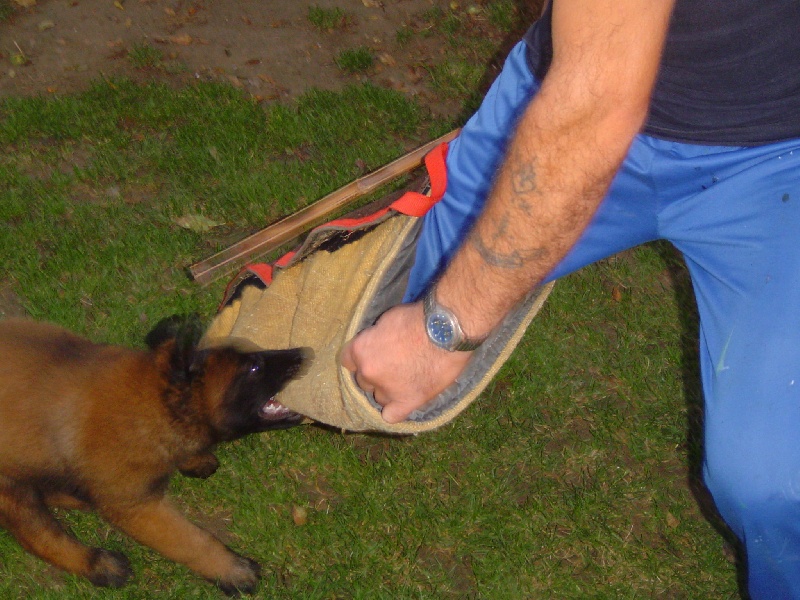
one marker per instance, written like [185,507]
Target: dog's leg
[201,465]
[24,514]
[66,501]
[158,524]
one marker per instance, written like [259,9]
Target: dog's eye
[255,368]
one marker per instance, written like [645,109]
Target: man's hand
[396,363]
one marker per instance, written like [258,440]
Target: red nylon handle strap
[261,270]
[415,204]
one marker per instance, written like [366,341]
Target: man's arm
[568,146]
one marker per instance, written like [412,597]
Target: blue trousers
[734,214]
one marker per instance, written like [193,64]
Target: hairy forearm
[567,148]
[552,181]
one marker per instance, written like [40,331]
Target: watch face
[440,329]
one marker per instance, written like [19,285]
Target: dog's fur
[103,427]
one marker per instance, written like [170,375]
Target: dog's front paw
[242,579]
[108,568]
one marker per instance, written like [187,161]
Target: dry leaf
[616,294]
[45,25]
[235,81]
[196,223]
[182,40]
[387,59]
[25,3]
[672,520]
[372,3]
[299,515]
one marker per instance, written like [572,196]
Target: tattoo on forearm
[523,178]
[514,259]
[500,229]
[522,204]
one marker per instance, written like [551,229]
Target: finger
[395,412]
[346,357]
[378,398]
[365,386]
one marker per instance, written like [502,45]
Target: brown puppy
[102,427]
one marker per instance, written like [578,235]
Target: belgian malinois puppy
[101,427]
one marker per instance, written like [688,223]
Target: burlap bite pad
[321,299]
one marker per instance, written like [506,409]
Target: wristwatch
[443,328]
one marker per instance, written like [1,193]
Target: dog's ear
[178,335]
[184,329]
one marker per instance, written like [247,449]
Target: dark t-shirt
[730,72]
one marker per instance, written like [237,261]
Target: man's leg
[735,215]
[740,239]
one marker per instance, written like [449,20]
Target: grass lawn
[567,479]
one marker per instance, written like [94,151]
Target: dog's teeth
[272,408]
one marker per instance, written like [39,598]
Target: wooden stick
[277,234]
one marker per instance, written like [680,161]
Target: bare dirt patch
[269,48]
[10,303]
